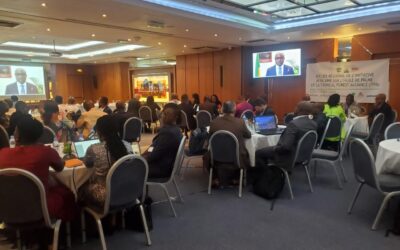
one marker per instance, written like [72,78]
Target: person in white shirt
[21,87]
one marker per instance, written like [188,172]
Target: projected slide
[278,63]
[26,82]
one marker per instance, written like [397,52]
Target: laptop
[82,146]
[266,125]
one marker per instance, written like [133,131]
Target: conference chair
[4,140]
[24,204]
[125,188]
[184,123]
[146,115]
[394,115]
[333,129]
[372,138]
[365,172]
[333,158]
[392,131]
[47,136]
[302,157]
[163,182]
[203,119]
[288,118]
[248,113]
[132,131]
[224,148]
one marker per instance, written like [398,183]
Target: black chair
[302,157]
[373,137]
[125,184]
[333,129]
[132,130]
[288,118]
[24,204]
[4,140]
[248,113]
[146,115]
[184,123]
[394,115]
[203,119]
[47,136]
[392,131]
[224,148]
[365,172]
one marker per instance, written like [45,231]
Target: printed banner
[363,79]
[154,85]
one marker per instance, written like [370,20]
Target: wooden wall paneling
[75,86]
[61,84]
[206,77]
[192,74]
[180,75]
[218,61]
[232,62]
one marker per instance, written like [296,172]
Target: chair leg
[146,228]
[83,227]
[178,192]
[337,176]
[19,241]
[381,210]
[68,234]
[55,235]
[210,180]
[342,168]
[169,199]
[123,219]
[289,185]
[308,178]
[315,168]
[241,183]
[101,234]
[183,168]
[353,202]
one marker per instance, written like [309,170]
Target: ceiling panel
[306,2]
[274,6]
[334,5]
[370,1]
[245,2]
[294,12]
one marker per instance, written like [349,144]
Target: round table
[360,124]
[258,141]
[388,157]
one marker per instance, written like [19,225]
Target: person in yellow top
[333,108]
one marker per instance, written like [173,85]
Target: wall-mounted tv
[277,63]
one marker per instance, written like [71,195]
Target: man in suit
[282,154]
[209,106]
[280,69]
[21,87]
[381,106]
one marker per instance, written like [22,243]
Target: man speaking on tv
[21,87]
[280,69]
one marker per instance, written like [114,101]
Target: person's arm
[90,157]
[287,139]
[160,147]
[55,161]
[246,131]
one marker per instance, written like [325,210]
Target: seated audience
[14,100]
[216,101]
[154,107]
[50,119]
[261,108]
[21,109]
[101,157]
[88,119]
[282,154]
[196,102]
[333,108]
[37,159]
[162,152]
[4,119]
[61,107]
[11,107]
[242,105]
[72,106]
[320,118]
[174,99]
[236,126]
[381,106]
[351,107]
[209,106]
[187,107]
[103,105]
[133,107]
[120,116]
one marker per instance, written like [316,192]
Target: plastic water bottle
[12,142]
[55,143]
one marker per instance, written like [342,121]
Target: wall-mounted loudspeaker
[221,76]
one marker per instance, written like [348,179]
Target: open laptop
[266,125]
[82,146]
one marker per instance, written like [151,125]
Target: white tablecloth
[258,141]
[73,178]
[388,157]
[360,124]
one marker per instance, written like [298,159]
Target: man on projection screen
[21,87]
[280,69]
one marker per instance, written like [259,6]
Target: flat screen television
[277,63]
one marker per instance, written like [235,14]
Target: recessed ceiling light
[183,51]
[104,16]
[321,34]
[95,61]
[159,43]
[147,55]
[215,34]
[43,4]
[129,39]
[48,29]
[34,37]
[288,37]
[93,35]
[240,39]
[187,30]
[184,45]
[79,70]
[164,54]
[359,28]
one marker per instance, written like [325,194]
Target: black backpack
[197,141]
[269,183]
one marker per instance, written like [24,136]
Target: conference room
[201,124]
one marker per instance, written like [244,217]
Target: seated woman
[101,157]
[37,158]
[50,119]
[333,108]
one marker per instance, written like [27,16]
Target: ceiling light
[184,45]
[48,29]
[79,70]
[129,39]
[105,51]
[240,39]
[34,37]
[95,61]
[164,54]
[321,34]
[288,37]
[45,46]
[187,30]
[215,34]
[93,35]
[104,16]
[183,51]
[147,55]
[359,29]
[159,43]
[43,4]
[22,53]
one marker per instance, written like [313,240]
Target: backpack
[269,183]
[197,141]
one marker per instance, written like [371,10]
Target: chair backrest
[363,163]
[376,126]
[288,118]
[394,115]
[178,158]
[224,148]
[333,129]
[47,136]
[145,114]
[248,113]
[346,141]
[125,182]
[305,147]
[4,140]
[203,119]
[184,120]
[132,130]
[23,198]
[392,131]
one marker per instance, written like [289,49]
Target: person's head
[207,99]
[107,131]
[58,99]
[88,105]
[380,99]
[196,98]
[133,106]
[229,108]
[120,106]
[9,102]
[20,75]
[21,107]
[259,105]
[51,112]
[306,98]
[333,100]
[279,59]
[14,98]
[170,114]
[174,96]
[28,130]
[304,108]
[137,96]
[215,99]
[150,100]
[185,98]
[349,99]
[3,108]
[103,101]
[71,100]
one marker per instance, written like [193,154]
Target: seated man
[88,119]
[381,106]
[282,154]
[262,108]
[162,152]
[242,105]
[120,116]
[351,107]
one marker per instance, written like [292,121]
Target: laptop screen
[265,122]
[82,146]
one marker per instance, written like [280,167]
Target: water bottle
[12,142]
[55,143]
